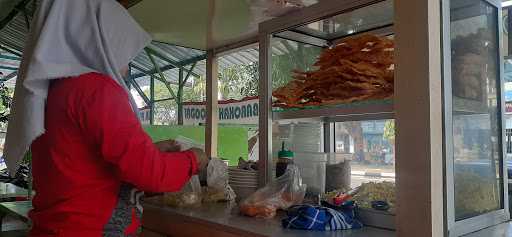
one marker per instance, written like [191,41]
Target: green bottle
[285,157]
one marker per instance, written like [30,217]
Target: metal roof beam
[8,68]
[158,54]
[10,76]
[188,74]
[140,69]
[10,50]
[168,60]
[13,13]
[145,73]
[162,100]
[10,57]
[160,73]
[169,67]
[139,90]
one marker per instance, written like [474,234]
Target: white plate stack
[243,182]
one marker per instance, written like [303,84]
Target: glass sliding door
[476,196]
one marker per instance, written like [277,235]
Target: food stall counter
[224,219]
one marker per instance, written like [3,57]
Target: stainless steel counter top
[227,217]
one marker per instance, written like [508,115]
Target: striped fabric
[308,217]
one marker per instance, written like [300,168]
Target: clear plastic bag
[187,143]
[217,179]
[285,191]
[273,8]
[190,195]
[247,165]
[262,10]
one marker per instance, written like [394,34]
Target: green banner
[232,141]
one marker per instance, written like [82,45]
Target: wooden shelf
[366,110]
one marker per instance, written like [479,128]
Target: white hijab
[68,38]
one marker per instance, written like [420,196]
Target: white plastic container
[337,158]
[324,171]
[338,171]
[312,170]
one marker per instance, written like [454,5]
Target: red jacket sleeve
[114,128]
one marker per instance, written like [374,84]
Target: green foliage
[235,82]
[165,111]
[389,131]
[197,92]
[299,57]
[238,81]
[6,95]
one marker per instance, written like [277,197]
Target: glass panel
[508,124]
[507,77]
[305,140]
[289,56]
[360,20]
[357,71]
[506,23]
[371,147]
[363,152]
[476,112]
[507,74]
[166,111]
[238,102]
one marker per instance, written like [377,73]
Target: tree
[389,133]
[196,92]
[239,81]
[165,112]
[298,57]
[6,96]
[355,129]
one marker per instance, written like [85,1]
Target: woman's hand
[202,159]
[168,146]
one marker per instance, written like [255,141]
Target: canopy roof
[179,29]
[208,24]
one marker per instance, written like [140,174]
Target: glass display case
[292,51]
[335,156]
[474,109]
[326,93]
[319,78]
[370,146]
[308,64]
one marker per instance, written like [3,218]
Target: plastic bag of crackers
[285,191]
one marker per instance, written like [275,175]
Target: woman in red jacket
[90,155]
